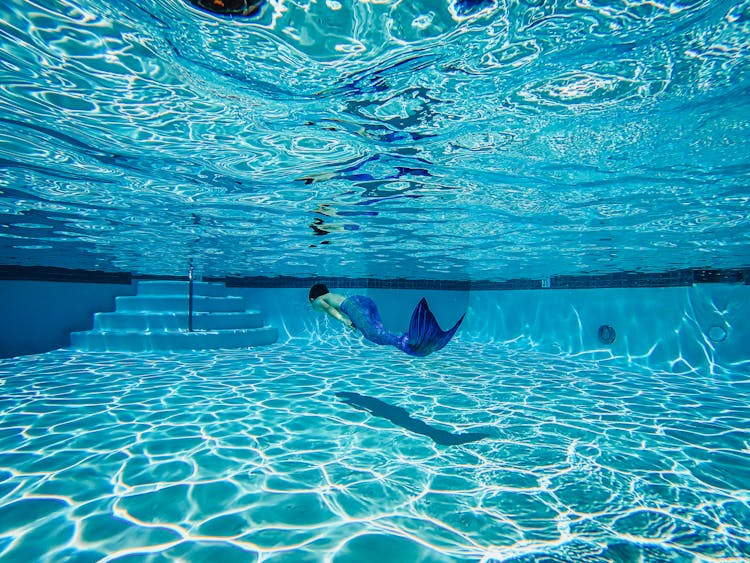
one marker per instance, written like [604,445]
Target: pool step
[170,341]
[178,303]
[132,321]
[159,287]
[156,319]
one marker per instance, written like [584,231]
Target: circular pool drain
[717,333]
[606,334]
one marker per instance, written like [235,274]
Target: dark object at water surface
[230,7]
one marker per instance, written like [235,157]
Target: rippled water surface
[252,456]
[427,139]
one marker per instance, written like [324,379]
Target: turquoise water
[250,455]
[426,140]
[423,139]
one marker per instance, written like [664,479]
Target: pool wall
[678,328]
[38,316]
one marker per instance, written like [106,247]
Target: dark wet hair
[317,290]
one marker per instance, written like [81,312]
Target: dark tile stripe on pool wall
[44,273]
[620,279]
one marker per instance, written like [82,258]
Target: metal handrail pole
[190,300]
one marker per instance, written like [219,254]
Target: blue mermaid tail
[424,337]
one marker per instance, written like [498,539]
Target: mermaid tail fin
[425,335]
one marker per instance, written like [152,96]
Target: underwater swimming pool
[251,456]
[324,448]
[570,174]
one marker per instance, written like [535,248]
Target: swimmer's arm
[336,314]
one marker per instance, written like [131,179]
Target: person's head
[317,290]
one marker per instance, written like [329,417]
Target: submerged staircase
[157,318]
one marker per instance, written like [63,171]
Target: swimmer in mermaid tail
[360,313]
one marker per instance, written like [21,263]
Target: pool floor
[256,455]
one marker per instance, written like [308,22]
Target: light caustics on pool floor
[249,455]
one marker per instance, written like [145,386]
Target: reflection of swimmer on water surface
[322,227]
[327,210]
[348,172]
[372,186]
[380,133]
[400,171]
